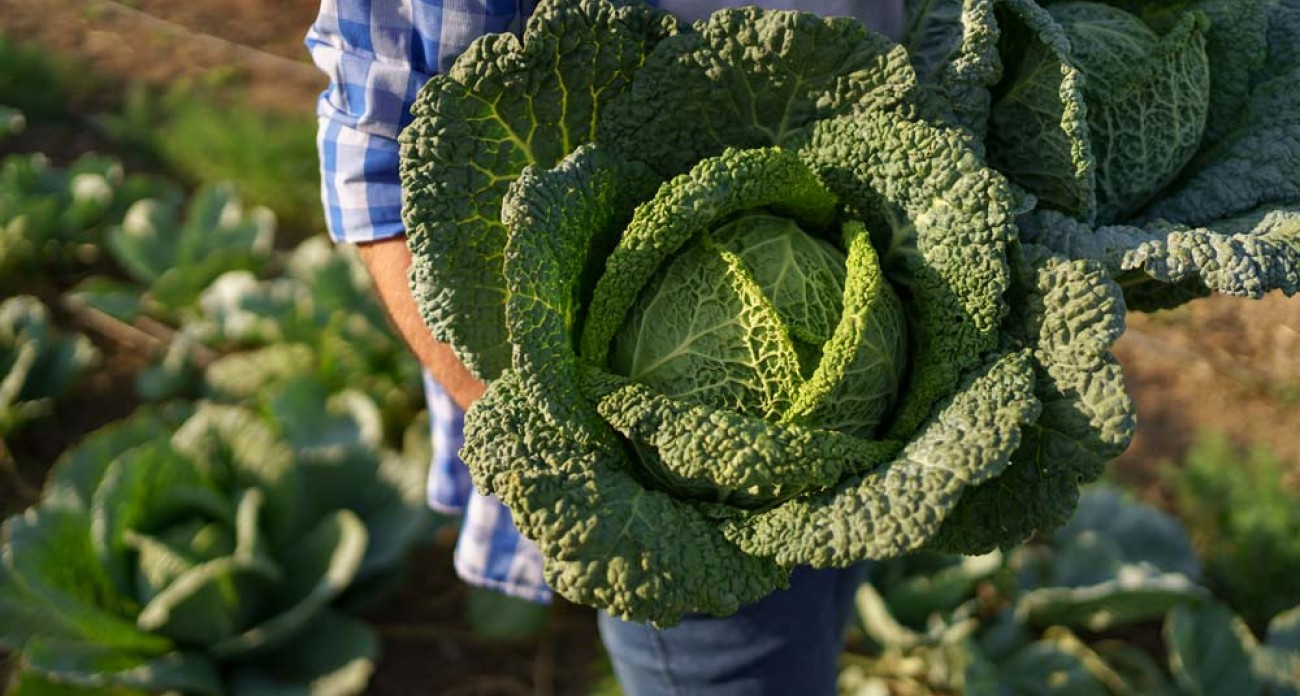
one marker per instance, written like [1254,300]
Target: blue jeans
[786,643]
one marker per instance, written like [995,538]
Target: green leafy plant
[743,305]
[175,258]
[1158,137]
[1071,615]
[1245,520]
[51,217]
[37,362]
[211,552]
[321,318]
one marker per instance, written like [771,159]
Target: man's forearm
[388,261]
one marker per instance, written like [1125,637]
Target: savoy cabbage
[747,295]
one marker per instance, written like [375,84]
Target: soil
[255,44]
[1221,364]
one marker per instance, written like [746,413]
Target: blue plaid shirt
[377,54]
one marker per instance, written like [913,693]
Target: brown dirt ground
[257,44]
[1220,364]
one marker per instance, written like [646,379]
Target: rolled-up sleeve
[377,55]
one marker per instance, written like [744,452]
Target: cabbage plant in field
[37,363]
[208,553]
[747,295]
[1062,616]
[1160,137]
[52,216]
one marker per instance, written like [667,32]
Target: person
[377,54]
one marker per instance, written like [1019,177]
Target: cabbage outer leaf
[898,507]
[1236,44]
[1283,26]
[933,35]
[957,214]
[750,78]
[1256,164]
[1165,264]
[503,106]
[1038,125]
[1067,313]
[608,540]
[697,445]
[953,45]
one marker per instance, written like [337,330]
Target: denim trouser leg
[786,643]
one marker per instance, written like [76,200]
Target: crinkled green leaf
[563,222]
[956,214]
[1148,97]
[1164,264]
[751,78]
[1209,651]
[706,333]
[1283,24]
[1236,44]
[863,361]
[801,275]
[1069,313]
[1256,164]
[1038,126]
[692,447]
[503,106]
[601,531]
[933,35]
[953,45]
[900,506]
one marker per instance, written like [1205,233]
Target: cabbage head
[203,553]
[745,299]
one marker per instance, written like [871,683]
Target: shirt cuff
[361,189]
